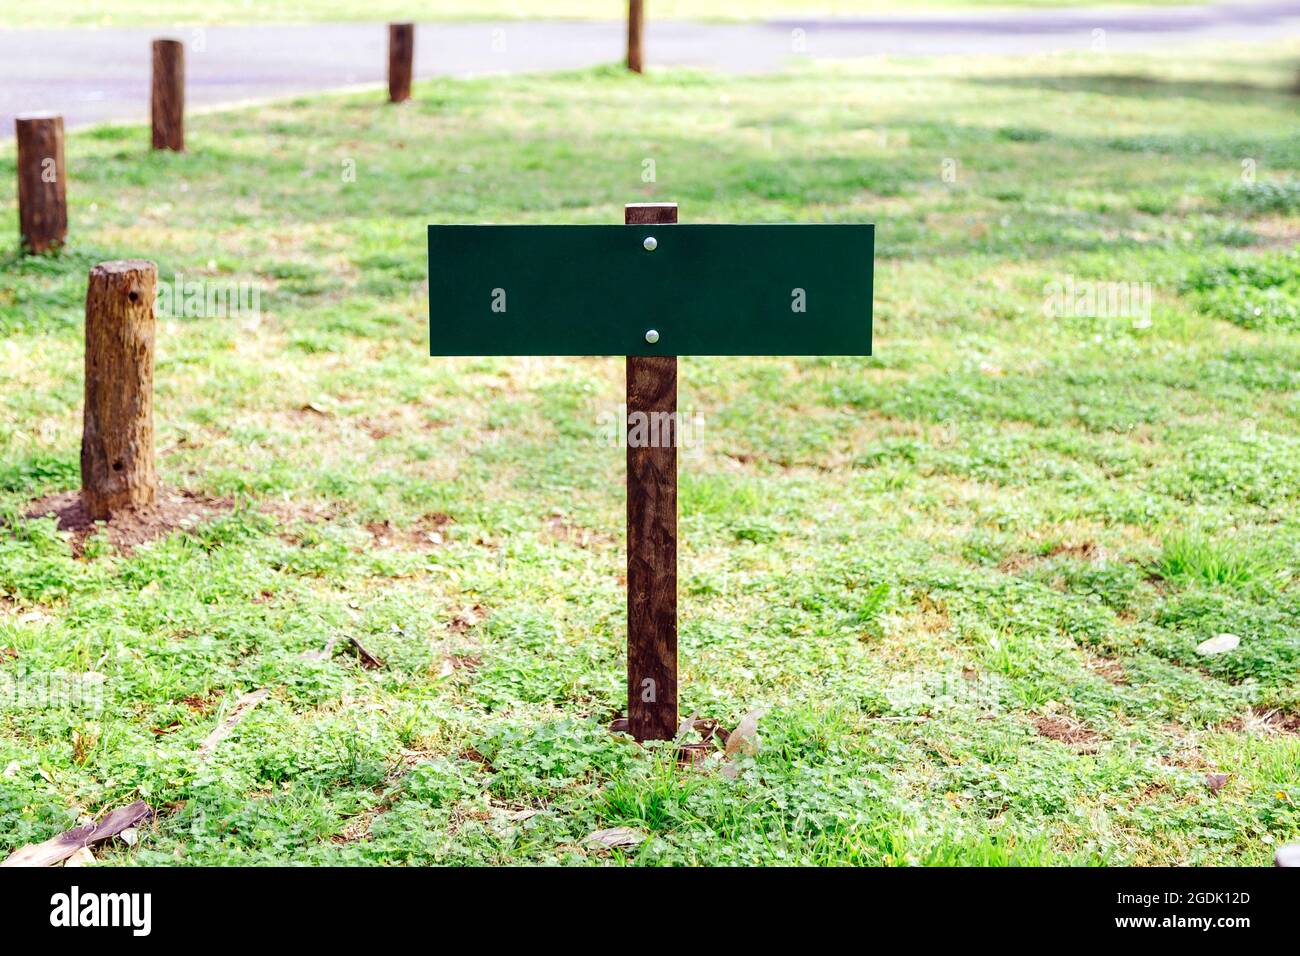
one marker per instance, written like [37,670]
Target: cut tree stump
[42,183]
[401,53]
[117,457]
[168,102]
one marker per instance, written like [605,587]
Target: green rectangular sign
[650,290]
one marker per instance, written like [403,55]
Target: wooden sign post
[652,530]
[651,290]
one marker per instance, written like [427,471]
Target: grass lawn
[58,13]
[966,576]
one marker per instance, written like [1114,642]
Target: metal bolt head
[650,243]
[652,336]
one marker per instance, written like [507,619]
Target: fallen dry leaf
[59,848]
[519,815]
[744,739]
[613,837]
[1216,781]
[367,659]
[742,742]
[1219,644]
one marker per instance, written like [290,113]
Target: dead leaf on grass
[744,739]
[613,837]
[59,848]
[742,742]
[367,659]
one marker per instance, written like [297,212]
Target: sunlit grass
[967,575]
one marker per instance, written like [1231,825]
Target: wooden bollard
[401,53]
[117,461]
[42,183]
[168,101]
[635,34]
[652,533]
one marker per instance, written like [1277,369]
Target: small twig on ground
[242,707]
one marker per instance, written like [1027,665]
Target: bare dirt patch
[467,618]
[1109,668]
[1085,551]
[424,535]
[1151,791]
[472,755]
[1275,234]
[204,704]
[356,830]
[1260,720]
[290,513]
[1069,732]
[560,528]
[173,511]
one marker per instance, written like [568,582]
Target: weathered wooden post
[167,105]
[401,53]
[42,187]
[652,528]
[117,460]
[635,35]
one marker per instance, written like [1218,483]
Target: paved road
[95,75]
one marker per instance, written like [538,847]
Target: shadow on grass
[1140,87]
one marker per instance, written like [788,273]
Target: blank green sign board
[698,290]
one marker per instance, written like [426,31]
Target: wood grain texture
[167,104]
[42,183]
[117,456]
[401,54]
[635,35]
[652,534]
